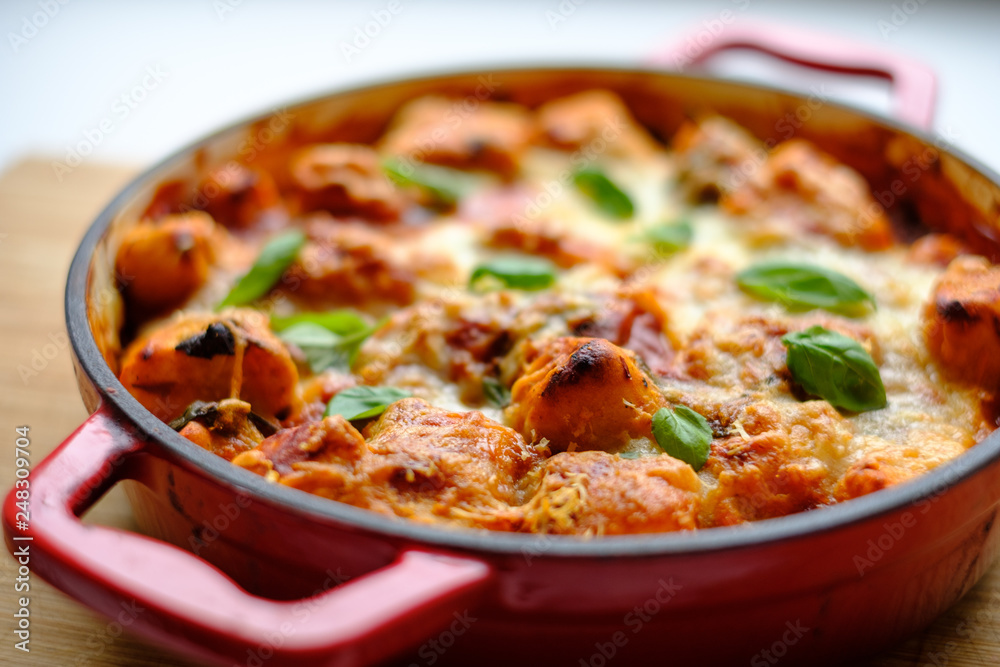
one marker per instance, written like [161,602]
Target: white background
[226,59]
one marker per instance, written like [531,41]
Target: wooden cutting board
[41,222]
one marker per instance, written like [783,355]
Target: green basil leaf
[684,434]
[323,348]
[497,394]
[527,273]
[834,367]
[445,186]
[274,259]
[363,402]
[802,287]
[671,238]
[610,199]
[338,321]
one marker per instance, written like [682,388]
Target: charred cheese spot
[962,320]
[583,393]
[165,378]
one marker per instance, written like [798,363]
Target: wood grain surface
[41,222]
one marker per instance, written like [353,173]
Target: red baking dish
[247,572]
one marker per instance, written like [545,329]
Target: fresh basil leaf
[684,434]
[802,287]
[323,348]
[497,394]
[338,321]
[527,273]
[671,238]
[363,402]
[274,259]
[834,367]
[445,186]
[609,198]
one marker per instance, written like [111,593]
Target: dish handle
[914,85]
[179,599]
